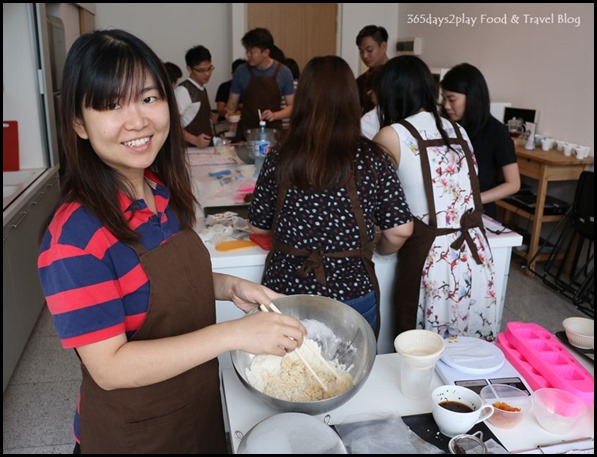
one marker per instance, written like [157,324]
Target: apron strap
[468,220]
[367,248]
[426,170]
[138,247]
[314,259]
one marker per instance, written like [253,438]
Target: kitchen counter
[214,189]
[35,196]
[14,185]
[220,178]
[249,263]
[381,394]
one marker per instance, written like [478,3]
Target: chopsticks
[327,364]
[307,365]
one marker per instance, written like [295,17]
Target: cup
[222,146]
[456,409]
[560,145]
[538,139]
[546,143]
[582,152]
[233,121]
[418,350]
[568,148]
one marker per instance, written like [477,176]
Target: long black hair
[101,67]
[325,127]
[406,87]
[466,79]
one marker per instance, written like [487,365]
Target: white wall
[21,99]
[549,67]
[171,29]
[354,16]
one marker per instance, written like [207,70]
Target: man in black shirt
[372,42]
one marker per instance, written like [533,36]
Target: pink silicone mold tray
[543,362]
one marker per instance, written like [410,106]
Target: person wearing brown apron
[192,99]
[416,250]
[261,94]
[179,415]
[445,274]
[201,123]
[141,317]
[313,263]
[261,82]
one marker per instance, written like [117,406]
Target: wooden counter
[545,167]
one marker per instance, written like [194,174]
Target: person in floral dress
[445,274]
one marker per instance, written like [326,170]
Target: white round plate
[472,355]
[291,433]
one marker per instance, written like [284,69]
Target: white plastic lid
[472,355]
[291,433]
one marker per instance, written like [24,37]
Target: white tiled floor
[40,398]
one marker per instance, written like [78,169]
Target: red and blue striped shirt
[94,284]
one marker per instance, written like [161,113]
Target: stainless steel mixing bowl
[245,152]
[354,346]
[273,134]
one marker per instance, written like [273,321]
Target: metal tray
[586,353]
[426,428]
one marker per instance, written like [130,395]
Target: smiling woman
[122,242]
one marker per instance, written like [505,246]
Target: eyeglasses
[204,70]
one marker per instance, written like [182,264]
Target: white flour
[287,378]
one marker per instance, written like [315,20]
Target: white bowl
[556,410]
[580,331]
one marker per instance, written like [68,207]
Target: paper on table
[209,156]
[211,159]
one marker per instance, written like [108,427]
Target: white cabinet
[23,298]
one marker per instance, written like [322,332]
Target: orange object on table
[234,245]
[10,146]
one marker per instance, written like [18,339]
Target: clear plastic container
[262,145]
[556,410]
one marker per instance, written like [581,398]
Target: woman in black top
[466,101]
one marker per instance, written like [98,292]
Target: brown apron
[202,122]
[262,93]
[182,414]
[314,259]
[414,252]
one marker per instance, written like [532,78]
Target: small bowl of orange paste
[510,404]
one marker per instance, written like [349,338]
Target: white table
[218,178]
[249,264]
[214,192]
[381,394]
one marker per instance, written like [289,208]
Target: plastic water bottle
[262,145]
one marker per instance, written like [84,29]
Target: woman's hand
[267,333]
[268,115]
[246,295]
[202,140]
